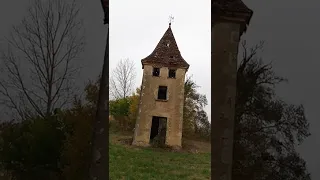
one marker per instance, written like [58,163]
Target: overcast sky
[291,31]
[290,27]
[137,26]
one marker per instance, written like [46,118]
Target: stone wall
[172,109]
[225,41]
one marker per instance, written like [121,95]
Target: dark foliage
[267,128]
[31,149]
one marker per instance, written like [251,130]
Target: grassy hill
[132,163]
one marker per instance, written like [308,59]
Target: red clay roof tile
[166,53]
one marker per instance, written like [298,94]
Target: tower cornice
[233,11]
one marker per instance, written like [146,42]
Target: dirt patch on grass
[195,146]
[188,145]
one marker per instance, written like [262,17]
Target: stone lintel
[159,65]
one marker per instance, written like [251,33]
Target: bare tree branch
[122,79]
[38,63]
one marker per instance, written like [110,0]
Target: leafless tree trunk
[122,79]
[37,67]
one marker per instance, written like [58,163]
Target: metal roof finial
[171,18]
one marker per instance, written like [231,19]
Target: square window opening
[172,73]
[162,93]
[156,72]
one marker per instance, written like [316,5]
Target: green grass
[152,164]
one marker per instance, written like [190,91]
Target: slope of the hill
[128,162]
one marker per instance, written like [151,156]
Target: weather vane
[171,18]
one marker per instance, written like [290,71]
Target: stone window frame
[167,94]
[175,73]
[153,69]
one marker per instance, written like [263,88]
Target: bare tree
[38,69]
[122,79]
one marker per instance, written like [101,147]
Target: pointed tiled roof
[231,5]
[232,8]
[166,53]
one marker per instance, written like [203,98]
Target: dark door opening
[158,130]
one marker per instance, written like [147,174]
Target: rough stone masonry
[229,20]
[162,93]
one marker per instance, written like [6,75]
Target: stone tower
[229,20]
[162,95]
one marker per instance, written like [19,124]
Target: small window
[162,93]
[156,72]
[172,73]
